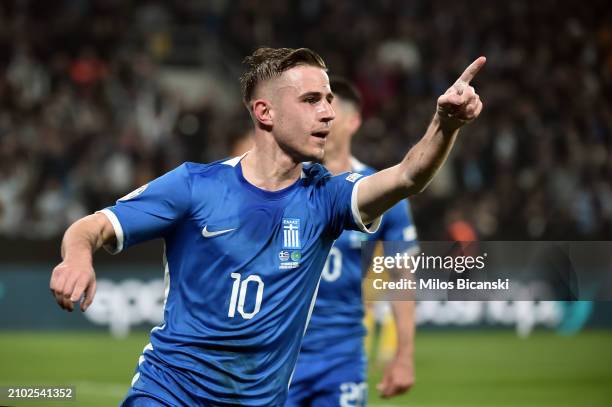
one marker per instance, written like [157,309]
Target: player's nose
[328,114]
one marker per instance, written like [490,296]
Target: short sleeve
[150,211]
[343,210]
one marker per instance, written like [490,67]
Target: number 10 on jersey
[239,293]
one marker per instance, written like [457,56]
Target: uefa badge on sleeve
[354,176]
[134,193]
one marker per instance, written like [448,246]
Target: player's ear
[354,122]
[262,112]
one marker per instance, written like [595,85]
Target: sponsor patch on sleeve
[354,176]
[134,193]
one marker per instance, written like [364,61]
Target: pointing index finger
[471,71]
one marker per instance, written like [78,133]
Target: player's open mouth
[321,134]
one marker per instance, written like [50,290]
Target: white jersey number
[353,394]
[239,292]
[333,266]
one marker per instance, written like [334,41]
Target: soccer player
[331,368]
[246,238]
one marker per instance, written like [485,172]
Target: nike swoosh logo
[206,233]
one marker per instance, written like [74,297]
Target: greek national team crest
[291,233]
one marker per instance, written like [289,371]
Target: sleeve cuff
[374,225]
[118,247]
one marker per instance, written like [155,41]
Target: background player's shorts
[333,382]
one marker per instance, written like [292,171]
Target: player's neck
[270,170]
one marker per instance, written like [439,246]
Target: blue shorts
[321,381]
[136,398]
[156,387]
[160,385]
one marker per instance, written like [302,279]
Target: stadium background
[98,97]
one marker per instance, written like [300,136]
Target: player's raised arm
[459,105]
[75,276]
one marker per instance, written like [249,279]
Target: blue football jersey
[336,325]
[242,270]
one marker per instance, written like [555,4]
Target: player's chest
[275,234]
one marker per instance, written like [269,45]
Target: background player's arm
[75,274]
[459,105]
[399,373]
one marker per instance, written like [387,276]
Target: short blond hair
[268,63]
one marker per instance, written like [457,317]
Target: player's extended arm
[75,274]
[399,373]
[457,106]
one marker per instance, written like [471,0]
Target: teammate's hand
[70,280]
[460,104]
[398,378]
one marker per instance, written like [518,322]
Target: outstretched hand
[73,282]
[460,104]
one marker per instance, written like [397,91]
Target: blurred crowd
[85,116]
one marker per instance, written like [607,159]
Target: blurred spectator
[86,113]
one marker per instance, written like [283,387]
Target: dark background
[99,97]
